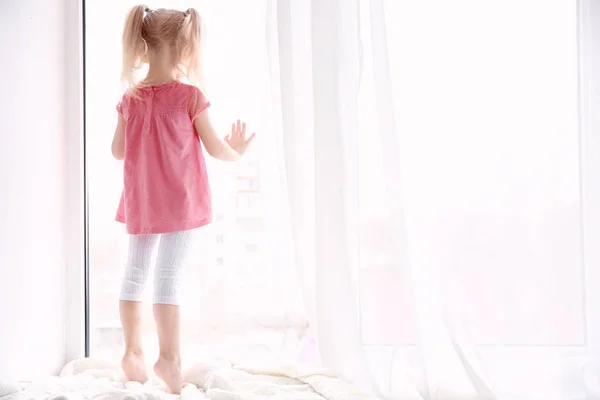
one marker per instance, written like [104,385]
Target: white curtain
[431,167]
[323,147]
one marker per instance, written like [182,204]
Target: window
[477,92]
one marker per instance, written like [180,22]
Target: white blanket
[211,380]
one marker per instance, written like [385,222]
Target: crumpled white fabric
[211,380]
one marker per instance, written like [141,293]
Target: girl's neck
[158,76]
[160,68]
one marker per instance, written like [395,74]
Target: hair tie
[187,12]
[148,10]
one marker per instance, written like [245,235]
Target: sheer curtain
[432,172]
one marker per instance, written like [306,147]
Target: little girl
[166,193]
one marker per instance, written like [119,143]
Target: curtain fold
[335,88]
[323,207]
[447,371]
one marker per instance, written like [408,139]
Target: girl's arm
[118,143]
[217,147]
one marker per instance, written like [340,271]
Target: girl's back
[165,181]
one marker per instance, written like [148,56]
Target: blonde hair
[146,30]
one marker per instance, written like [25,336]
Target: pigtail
[134,46]
[190,42]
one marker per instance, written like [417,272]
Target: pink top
[165,182]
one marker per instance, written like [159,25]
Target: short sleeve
[122,106]
[198,103]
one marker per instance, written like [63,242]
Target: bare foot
[169,370]
[134,367]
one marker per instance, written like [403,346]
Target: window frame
[76,204]
[589,148]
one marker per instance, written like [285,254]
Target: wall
[33,183]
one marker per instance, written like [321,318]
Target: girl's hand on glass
[238,139]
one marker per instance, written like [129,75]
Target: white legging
[172,250]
